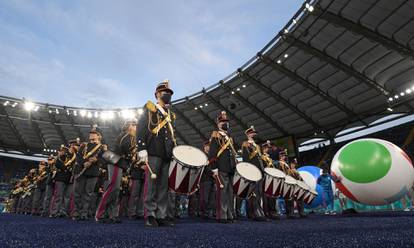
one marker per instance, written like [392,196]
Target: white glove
[143,155]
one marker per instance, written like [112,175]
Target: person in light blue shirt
[325,181]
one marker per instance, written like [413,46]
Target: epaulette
[245,144]
[173,117]
[151,107]
[215,134]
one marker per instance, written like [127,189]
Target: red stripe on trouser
[218,202]
[71,203]
[145,192]
[101,208]
[52,204]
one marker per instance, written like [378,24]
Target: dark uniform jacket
[157,144]
[64,173]
[207,174]
[93,170]
[226,162]
[251,155]
[125,147]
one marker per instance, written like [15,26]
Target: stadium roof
[335,65]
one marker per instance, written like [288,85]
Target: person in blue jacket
[325,180]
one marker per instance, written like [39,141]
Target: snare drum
[303,189]
[310,196]
[245,179]
[274,181]
[185,169]
[290,186]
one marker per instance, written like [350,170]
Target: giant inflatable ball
[373,171]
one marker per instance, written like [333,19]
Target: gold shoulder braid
[87,155]
[168,117]
[70,161]
[151,107]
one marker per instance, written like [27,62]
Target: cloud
[106,54]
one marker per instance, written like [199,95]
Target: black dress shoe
[151,222]
[116,221]
[166,222]
[103,221]
[262,218]
[222,221]
[75,218]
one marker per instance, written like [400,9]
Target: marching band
[146,173]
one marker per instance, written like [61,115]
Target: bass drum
[185,169]
[274,182]
[245,179]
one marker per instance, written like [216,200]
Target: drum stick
[153,175]
[219,181]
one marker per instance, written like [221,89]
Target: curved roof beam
[358,28]
[307,47]
[256,110]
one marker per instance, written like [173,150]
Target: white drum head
[290,180]
[275,172]
[303,185]
[249,171]
[190,155]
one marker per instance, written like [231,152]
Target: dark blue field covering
[385,229]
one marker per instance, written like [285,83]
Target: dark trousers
[256,200]
[46,199]
[269,206]
[156,190]
[69,199]
[207,197]
[290,207]
[225,198]
[135,201]
[57,205]
[37,201]
[194,204]
[83,191]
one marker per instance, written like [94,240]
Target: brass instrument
[89,156]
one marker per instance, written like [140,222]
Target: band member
[252,154]
[207,188]
[88,161]
[40,189]
[155,140]
[65,162]
[269,203]
[124,155]
[50,171]
[222,156]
